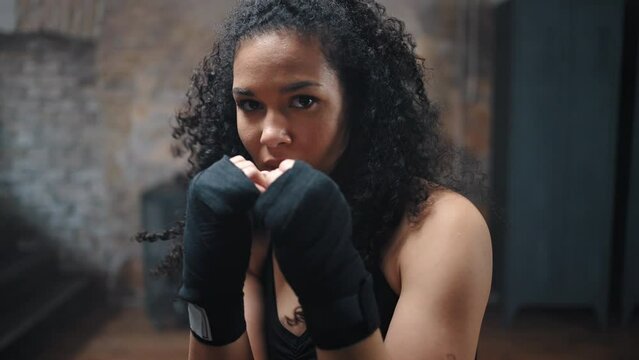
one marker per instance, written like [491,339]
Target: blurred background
[543,93]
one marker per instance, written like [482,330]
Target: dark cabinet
[556,106]
[630,290]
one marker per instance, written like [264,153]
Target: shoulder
[449,232]
[450,218]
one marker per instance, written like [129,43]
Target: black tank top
[281,344]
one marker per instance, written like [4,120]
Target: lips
[272,164]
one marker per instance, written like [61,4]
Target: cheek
[323,137]
[249,134]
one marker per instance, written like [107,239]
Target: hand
[217,241]
[310,224]
[261,179]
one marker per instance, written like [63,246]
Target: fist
[261,178]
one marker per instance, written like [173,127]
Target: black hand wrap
[311,229]
[217,242]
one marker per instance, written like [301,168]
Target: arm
[310,227]
[253,297]
[251,344]
[445,268]
[217,241]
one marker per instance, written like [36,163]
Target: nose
[275,131]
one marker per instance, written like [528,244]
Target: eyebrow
[286,89]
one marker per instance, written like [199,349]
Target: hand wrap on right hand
[217,241]
[311,228]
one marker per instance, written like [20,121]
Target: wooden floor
[556,335]
[547,335]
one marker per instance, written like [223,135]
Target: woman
[325,220]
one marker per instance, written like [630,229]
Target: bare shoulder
[449,223]
[449,226]
[447,211]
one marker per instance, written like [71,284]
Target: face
[289,102]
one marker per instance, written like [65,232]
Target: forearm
[237,350]
[242,348]
[371,348]
[253,309]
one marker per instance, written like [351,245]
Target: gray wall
[51,153]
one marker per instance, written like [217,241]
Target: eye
[249,105]
[303,101]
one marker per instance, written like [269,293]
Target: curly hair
[396,154]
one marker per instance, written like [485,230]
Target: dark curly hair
[396,155]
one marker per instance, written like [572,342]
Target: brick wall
[72,18]
[147,51]
[51,153]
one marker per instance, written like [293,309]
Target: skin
[289,102]
[441,267]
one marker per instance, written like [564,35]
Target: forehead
[276,56]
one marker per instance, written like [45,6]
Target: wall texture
[73,18]
[51,147]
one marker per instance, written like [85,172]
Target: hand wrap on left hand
[217,246]
[311,228]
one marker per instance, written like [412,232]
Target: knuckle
[237,158]
[252,172]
